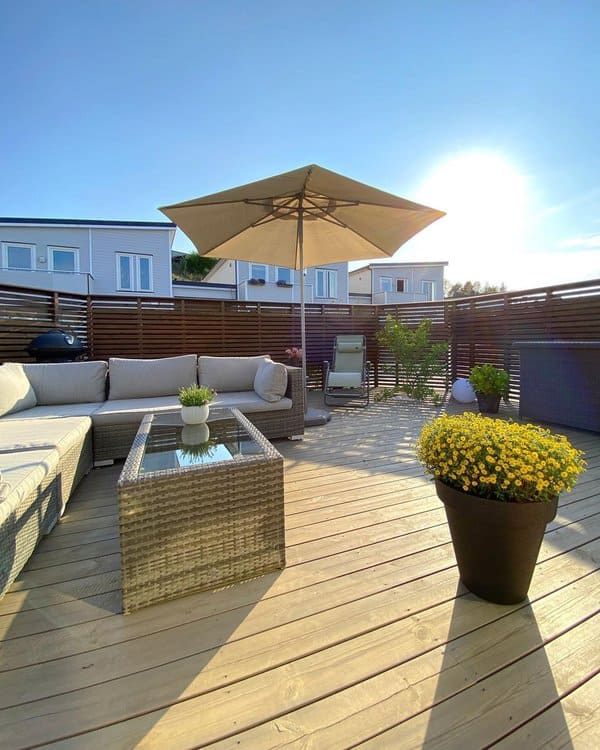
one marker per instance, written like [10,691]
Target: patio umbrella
[308,217]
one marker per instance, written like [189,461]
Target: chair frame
[362,393]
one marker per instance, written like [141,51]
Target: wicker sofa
[58,420]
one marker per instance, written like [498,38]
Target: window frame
[425,285]
[134,270]
[288,272]
[32,252]
[258,265]
[73,250]
[403,290]
[329,283]
[386,279]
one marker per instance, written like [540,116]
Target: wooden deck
[365,639]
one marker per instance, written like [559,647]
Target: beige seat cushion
[22,473]
[344,380]
[56,411]
[226,374]
[68,382]
[270,381]
[24,435]
[132,410]
[249,402]
[16,392]
[146,378]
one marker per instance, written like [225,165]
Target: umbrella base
[315,417]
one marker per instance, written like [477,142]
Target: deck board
[366,637]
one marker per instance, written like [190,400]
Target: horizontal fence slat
[478,329]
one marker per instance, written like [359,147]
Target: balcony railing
[52,281]
[269,291]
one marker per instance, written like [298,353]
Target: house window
[401,285]
[385,283]
[326,282]
[258,271]
[427,287]
[284,275]
[17,256]
[63,259]
[134,273]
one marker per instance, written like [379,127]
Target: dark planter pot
[488,404]
[496,543]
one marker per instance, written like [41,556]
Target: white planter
[194,414]
[195,434]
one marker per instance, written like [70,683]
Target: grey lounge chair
[350,375]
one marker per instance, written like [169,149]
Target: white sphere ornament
[462,391]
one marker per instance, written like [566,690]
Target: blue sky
[488,110]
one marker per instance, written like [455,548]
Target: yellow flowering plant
[499,460]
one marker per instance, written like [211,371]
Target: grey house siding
[106,243]
[97,249]
[414,276]
[243,274]
[44,238]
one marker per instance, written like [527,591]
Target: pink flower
[294,353]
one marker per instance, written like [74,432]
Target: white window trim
[328,275]
[289,273]
[386,278]
[32,252]
[428,283]
[74,250]
[135,273]
[261,265]
[405,282]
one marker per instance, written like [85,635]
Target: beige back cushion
[16,392]
[146,378]
[270,382]
[68,382]
[229,373]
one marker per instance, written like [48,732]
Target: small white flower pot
[194,414]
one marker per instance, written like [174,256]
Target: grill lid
[56,342]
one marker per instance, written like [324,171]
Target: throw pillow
[270,382]
[16,392]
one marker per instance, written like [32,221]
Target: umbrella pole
[300,241]
[312,417]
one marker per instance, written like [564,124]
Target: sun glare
[487,204]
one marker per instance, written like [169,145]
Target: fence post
[55,310]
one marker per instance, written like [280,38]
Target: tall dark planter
[496,543]
[488,404]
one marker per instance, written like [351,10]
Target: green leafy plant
[499,460]
[488,380]
[196,395]
[416,358]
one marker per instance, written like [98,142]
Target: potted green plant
[194,400]
[499,482]
[490,385]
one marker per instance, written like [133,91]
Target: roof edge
[85,222]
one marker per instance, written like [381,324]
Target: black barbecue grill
[56,346]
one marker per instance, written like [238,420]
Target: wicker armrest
[295,389]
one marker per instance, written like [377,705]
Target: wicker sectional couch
[58,420]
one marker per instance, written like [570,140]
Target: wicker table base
[197,528]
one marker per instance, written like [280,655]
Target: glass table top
[171,444]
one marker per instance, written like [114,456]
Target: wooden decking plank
[572,723]
[410,694]
[236,660]
[480,651]
[482,711]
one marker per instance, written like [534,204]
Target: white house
[396,283]
[259,282]
[96,257]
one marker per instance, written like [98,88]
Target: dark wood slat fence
[478,329]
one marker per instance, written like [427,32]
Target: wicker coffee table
[200,507]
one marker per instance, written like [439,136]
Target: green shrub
[417,359]
[488,380]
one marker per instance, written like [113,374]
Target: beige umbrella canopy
[298,219]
